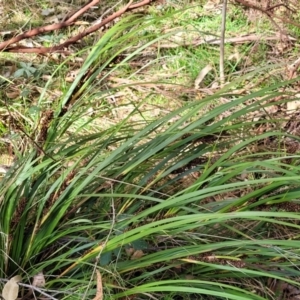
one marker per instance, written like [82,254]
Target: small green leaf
[105,258]
[139,244]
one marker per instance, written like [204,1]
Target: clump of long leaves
[165,209]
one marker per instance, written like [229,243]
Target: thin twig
[234,40]
[32,287]
[223,29]
[105,242]
[81,11]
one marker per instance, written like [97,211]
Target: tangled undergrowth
[127,185]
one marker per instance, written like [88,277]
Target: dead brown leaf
[137,254]
[39,280]
[99,293]
[11,288]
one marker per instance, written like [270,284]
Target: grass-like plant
[192,205]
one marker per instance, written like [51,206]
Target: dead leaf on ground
[201,76]
[39,280]
[13,94]
[11,288]
[292,106]
[129,251]
[137,254]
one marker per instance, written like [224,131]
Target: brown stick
[81,11]
[43,29]
[217,41]
[32,33]
[39,30]
[60,48]
[139,4]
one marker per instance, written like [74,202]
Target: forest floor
[184,65]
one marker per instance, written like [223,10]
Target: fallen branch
[43,29]
[81,11]
[4,46]
[216,41]
[268,12]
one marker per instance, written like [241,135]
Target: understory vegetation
[131,173]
